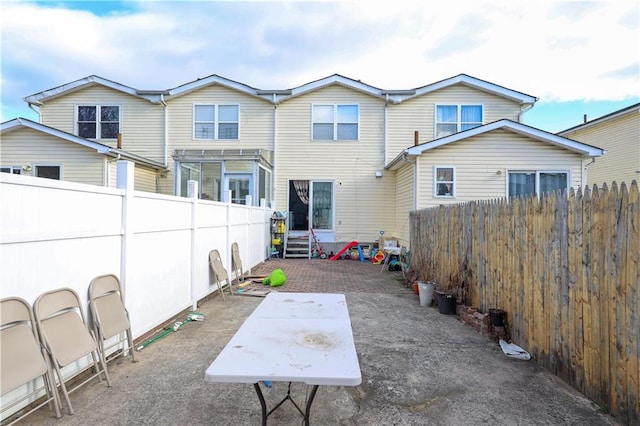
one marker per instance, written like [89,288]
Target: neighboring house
[336,153]
[33,149]
[619,134]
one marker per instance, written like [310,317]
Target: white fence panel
[59,234]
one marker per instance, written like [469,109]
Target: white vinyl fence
[57,234]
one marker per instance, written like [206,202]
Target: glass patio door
[240,185]
[321,205]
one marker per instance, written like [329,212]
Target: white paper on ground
[514,351]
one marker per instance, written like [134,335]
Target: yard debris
[192,316]
[514,351]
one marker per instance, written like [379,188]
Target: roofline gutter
[119,155]
[402,157]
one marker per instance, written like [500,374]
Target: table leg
[307,410]
[263,404]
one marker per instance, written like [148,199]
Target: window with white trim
[49,172]
[335,122]
[452,119]
[216,122]
[14,170]
[522,183]
[98,121]
[445,181]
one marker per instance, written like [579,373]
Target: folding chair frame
[16,312]
[52,305]
[219,272]
[106,297]
[236,262]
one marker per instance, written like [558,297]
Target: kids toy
[276,278]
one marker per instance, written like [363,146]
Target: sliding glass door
[322,205]
[310,205]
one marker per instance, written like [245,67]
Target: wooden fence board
[632,316]
[565,268]
[612,294]
[575,336]
[563,354]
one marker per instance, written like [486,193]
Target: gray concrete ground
[418,367]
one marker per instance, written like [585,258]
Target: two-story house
[619,134]
[342,157]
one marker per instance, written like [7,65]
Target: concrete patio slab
[418,367]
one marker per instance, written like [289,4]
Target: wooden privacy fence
[566,270]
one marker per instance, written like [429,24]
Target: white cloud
[553,50]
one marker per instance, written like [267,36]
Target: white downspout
[37,111]
[165,141]
[522,111]
[386,103]
[106,174]
[584,171]
[275,144]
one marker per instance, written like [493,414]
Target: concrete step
[297,256]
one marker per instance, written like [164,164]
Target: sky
[576,57]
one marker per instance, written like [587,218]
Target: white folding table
[291,337]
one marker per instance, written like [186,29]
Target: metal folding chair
[110,317]
[236,262]
[66,336]
[219,273]
[23,359]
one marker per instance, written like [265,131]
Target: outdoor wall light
[378,174]
[499,173]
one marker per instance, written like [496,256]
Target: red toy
[345,248]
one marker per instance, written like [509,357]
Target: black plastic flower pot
[498,317]
[446,304]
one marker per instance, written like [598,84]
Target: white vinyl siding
[620,137]
[77,163]
[29,147]
[362,203]
[482,163]
[418,114]
[403,203]
[255,117]
[145,179]
[141,125]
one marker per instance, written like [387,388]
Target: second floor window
[452,119]
[216,121]
[335,122]
[98,121]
